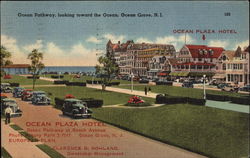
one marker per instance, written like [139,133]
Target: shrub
[217,97]
[75,84]
[94,81]
[196,101]
[67,96]
[240,100]
[165,99]
[31,77]
[93,103]
[59,102]
[138,104]
[61,82]
[57,76]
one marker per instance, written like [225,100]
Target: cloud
[242,44]
[218,43]
[77,55]
[93,39]
[143,40]
[114,38]
[10,43]
[37,45]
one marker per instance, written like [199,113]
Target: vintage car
[246,88]
[27,95]
[39,97]
[188,84]
[5,88]
[230,89]
[17,92]
[13,105]
[76,108]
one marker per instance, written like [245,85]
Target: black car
[188,84]
[246,88]
[222,85]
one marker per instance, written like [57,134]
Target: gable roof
[195,51]
[229,53]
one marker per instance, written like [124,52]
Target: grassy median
[4,153]
[50,151]
[180,91]
[208,131]
[24,81]
[109,98]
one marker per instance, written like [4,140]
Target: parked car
[39,97]
[188,84]
[246,88]
[15,110]
[143,80]
[27,95]
[5,88]
[76,108]
[222,85]
[230,89]
[17,92]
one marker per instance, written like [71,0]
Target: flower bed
[136,101]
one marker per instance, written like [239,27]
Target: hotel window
[199,59]
[228,77]
[240,78]
[224,67]
[241,67]
[234,66]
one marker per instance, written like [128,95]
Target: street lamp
[132,75]
[204,90]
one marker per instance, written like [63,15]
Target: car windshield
[11,103]
[77,102]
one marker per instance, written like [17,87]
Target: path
[23,149]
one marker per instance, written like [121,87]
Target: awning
[218,76]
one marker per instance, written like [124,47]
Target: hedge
[240,100]
[93,103]
[161,99]
[113,84]
[138,104]
[57,76]
[217,97]
[94,81]
[75,84]
[61,82]
[31,77]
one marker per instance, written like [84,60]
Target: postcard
[125,79]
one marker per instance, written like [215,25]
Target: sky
[78,41]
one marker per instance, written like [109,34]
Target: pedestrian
[149,89]
[146,90]
[8,111]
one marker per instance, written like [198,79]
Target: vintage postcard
[125,79]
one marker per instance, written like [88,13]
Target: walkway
[21,149]
[228,106]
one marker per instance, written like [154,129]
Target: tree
[36,65]
[4,56]
[107,70]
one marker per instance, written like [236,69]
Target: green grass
[109,98]
[29,136]
[84,78]
[209,131]
[4,153]
[24,81]
[180,91]
[16,127]
[50,151]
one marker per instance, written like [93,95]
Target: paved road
[90,137]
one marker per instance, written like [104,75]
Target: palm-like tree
[5,55]
[36,66]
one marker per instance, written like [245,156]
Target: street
[88,137]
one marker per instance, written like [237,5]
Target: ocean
[72,69]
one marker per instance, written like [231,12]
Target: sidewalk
[21,149]
[126,91]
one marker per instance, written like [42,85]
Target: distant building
[233,67]
[134,57]
[16,69]
[196,61]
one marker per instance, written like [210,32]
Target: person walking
[8,111]
[146,90]
[149,89]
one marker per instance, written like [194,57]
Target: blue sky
[73,41]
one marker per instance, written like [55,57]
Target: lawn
[24,81]
[109,98]
[50,151]
[84,78]
[180,91]
[209,131]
